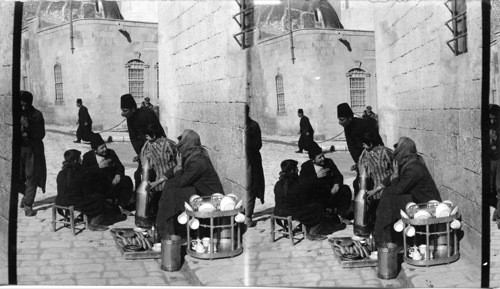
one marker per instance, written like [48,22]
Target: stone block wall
[315,82]
[203,79]
[434,97]
[96,72]
[7,24]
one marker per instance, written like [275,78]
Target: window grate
[280,94]
[58,84]
[136,78]
[457,25]
[357,87]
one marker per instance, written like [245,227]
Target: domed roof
[57,12]
[272,20]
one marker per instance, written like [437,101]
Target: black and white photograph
[250,143]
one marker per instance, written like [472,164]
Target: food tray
[345,263]
[144,254]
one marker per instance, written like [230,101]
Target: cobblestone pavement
[494,253]
[91,258]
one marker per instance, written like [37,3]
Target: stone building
[327,64]
[494,51]
[107,57]
[432,94]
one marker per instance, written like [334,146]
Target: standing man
[370,115]
[33,168]
[137,122]
[84,122]
[325,184]
[255,172]
[306,132]
[147,104]
[106,171]
[355,128]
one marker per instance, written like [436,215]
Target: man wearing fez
[355,128]
[255,171]
[324,183]
[84,122]
[33,172]
[137,122]
[306,132]
[107,172]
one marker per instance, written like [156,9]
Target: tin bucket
[388,261]
[171,253]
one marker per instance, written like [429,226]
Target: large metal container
[171,253]
[142,194]
[361,227]
[388,261]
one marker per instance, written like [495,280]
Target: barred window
[25,83]
[357,87]
[157,66]
[59,83]
[457,25]
[136,78]
[280,93]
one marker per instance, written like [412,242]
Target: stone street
[91,258]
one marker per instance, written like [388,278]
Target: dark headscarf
[96,140]
[190,144]
[344,110]
[27,97]
[128,102]
[288,174]
[314,150]
[71,156]
[406,153]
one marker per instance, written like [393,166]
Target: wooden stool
[69,213]
[288,230]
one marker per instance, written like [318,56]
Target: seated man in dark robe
[193,174]
[290,200]
[107,173]
[72,190]
[411,183]
[325,184]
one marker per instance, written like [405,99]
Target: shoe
[77,141]
[315,237]
[22,204]
[299,151]
[29,212]
[95,227]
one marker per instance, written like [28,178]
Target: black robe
[137,124]
[72,190]
[255,171]
[36,133]
[306,133]
[354,133]
[84,131]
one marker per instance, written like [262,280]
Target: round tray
[423,222]
[214,214]
[215,255]
[445,260]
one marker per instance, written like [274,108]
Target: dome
[53,13]
[272,20]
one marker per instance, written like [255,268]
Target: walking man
[137,122]
[33,172]
[255,172]
[306,132]
[84,122]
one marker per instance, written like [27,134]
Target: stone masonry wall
[434,97]
[316,82]
[203,79]
[95,72]
[7,24]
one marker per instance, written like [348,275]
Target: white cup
[182,218]
[240,218]
[399,226]
[206,241]
[410,231]
[422,249]
[417,256]
[194,223]
[455,224]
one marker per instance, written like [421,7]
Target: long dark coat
[72,190]
[306,133]
[294,202]
[137,124]
[319,189]
[84,131]
[36,133]
[354,133]
[414,184]
[255,171]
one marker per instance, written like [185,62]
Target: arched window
[280,93]
[59,83]
[357,87]
[136,78]
[157,66]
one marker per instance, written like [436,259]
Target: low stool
[68,217]
[288,229]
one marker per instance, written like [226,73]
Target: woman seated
[72,190]
[412,182]
[291,200]
[193,174]
[376,160]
